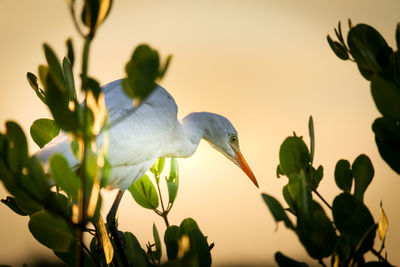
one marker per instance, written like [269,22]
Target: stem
[164,215]
[323,200]
[86,141]
[76,24]
[164,212]
[159,193]
[320,261]
[376,253]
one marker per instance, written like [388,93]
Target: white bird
[138,136]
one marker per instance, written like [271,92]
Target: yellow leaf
[99,111]
[105,241]
[383,224]
[104,9]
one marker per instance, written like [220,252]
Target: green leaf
[288,198]
[315,176]
[52,231]
[366,46]
[338,49]
[300,193]
[36,182]
[171,241]
[293,155]
[312,138]
[387,138]
[63,176]
[33,82]
[165,66]
[285,261]
[353,219]
[198,249]
[158,166]
[55,69]
[343,175]
[279,171]
[43,131]
[277,211]
[157,242]
[142,72]
[363,172]
[316,232]
[17,154]
[144,193]
[173,180]
[12,204]
[69,78]
[386,95]
[70,52]
[58,103]
[136,255]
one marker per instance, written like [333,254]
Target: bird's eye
[233,139]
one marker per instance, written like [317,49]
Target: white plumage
[138,136]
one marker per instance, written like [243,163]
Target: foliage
[349,232]
[61,212]
[344,235]
[379,64]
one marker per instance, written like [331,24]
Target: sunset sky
[265,65]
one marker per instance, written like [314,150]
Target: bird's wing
[138,134]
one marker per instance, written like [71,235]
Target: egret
[139,135]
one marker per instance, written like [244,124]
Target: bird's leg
[112,227]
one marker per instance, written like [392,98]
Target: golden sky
[265,65]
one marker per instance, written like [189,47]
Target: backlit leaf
[158,166]
[198,248]
[144,193]
[142,72]
[43,131]
[63,176]
[135,254]
[55,69]
[69,78]
[383,224]
[173,180]
[52,231]
[105,241]
[33,82]
[293,155]
[157,242]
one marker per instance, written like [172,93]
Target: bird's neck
[188,135]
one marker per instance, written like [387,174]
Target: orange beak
[244,166]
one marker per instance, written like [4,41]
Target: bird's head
[221,135]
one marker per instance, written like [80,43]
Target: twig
[376,253]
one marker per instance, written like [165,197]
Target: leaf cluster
[67,206]
[344,234]
[185,244]
[380,65]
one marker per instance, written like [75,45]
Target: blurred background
[265,65]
